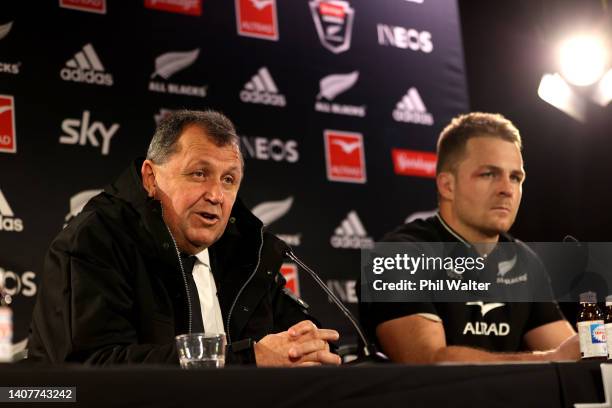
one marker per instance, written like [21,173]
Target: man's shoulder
[421,230]
[102,219]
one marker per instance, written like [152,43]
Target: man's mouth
[209,218]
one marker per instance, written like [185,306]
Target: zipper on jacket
[178,255]
[229,315]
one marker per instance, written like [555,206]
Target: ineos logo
[15,284]
[271,149]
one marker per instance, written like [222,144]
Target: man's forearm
[469,354]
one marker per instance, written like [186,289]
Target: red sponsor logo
[414,163]
[93,6]
[190,7]
[290,273]
[332,10]
[257,18]
[344,156]
[8,137]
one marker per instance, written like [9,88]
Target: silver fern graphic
[78,201]
[505,266]
[270,211]
[170,63]
[4,29]
[421,215]
[333,85]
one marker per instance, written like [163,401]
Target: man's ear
[445,181]
[148,178]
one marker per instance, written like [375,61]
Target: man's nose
[507,187]
[214,192]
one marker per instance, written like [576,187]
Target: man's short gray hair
[217,127]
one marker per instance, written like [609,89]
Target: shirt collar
[451,231]
[203,257]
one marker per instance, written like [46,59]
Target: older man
[168,249]
[479,179]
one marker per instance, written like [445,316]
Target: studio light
[554,90]
[603,92]
[583,60]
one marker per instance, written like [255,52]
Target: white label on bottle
[609,338]
[592,336]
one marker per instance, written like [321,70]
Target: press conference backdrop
[338,105]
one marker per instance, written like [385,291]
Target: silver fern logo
[271,211]
[78,201]
[8,67]
[5,29]
[333,85]
[504,267]
[168,64]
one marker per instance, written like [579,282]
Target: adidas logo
[261,89]
[86,67]
[351,234]
[8,222]
[411,109]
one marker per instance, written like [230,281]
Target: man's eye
[487,174]
[518,179]
[228,179]
[198,173]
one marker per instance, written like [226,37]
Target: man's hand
[302,345]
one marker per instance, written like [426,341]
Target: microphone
[369,350]
[571,238]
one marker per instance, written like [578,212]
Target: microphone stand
[370,354]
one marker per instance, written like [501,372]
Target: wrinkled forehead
[493,151]
[195,144]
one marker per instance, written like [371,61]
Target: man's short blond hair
[454,137]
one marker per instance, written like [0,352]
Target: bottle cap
[588,297]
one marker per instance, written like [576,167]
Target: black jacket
[112,290]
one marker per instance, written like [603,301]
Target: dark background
[508,46]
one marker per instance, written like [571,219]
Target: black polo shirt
[489,325]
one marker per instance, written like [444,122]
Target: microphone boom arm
[333,298]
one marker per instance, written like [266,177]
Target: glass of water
[201,350]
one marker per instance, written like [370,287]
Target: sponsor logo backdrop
[338,105]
